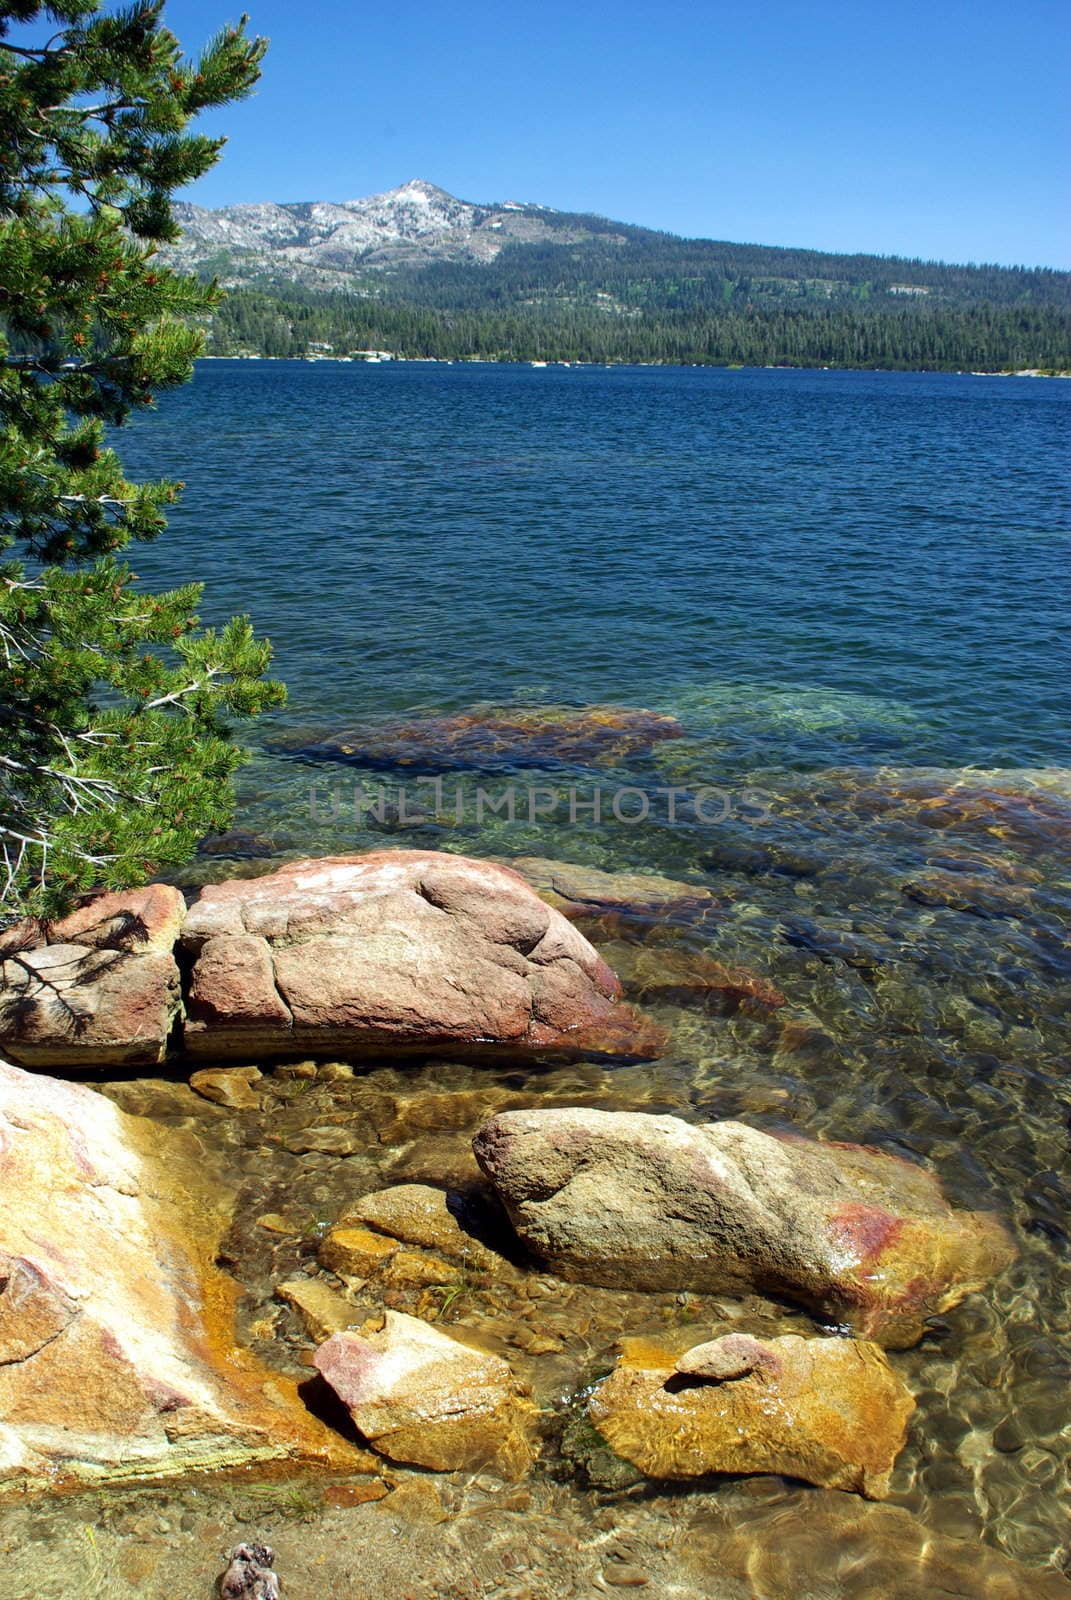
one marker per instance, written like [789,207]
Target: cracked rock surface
[399,950]
[117,1353]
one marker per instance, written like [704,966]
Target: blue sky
[936,129]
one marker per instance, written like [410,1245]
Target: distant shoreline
[606,366]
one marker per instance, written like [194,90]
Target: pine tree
[115,705]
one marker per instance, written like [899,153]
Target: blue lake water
[884,550]
[850,590]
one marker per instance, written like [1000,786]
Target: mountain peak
[414,190]
[323,243]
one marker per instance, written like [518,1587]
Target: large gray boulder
[626,1200]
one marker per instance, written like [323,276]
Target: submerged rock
[403,951]
[626,1200]
[99,988]
[830,1411]
[795,1544]
[490,738]
[355,1252]
[228,1086]
[425,1399]
[581,891]
[670,973]
[249,1575]
[417,1214]
[1026,809]
[117,1352]
[973,892]
[322,1310]
[238,844]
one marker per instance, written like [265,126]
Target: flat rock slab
[493,738]
[421,1397]
[581,891]
[829,1411]
[117,1351]
[631,1201]
[404,952]
[99,988]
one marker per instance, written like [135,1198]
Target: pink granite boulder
[626,1200]
[99,988]
[404,951]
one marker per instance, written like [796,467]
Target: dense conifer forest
[629,295]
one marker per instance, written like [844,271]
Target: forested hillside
[929,337]
[418,273]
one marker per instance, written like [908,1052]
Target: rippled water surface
[850,590]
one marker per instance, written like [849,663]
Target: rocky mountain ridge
[324,243]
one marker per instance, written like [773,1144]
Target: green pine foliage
[925,337]
[115,705]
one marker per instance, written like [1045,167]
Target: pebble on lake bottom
[249,1575]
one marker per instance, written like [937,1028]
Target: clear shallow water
[848,588]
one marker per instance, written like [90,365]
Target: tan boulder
[404,951]
[628,1200]
[117,1352]
[829,1411]
[420,1269]
[355,1252]
[322,1310]
[423,1398]
[228,1086]
[415,1213]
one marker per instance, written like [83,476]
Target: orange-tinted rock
[489,738]
[356,1494]
[232,1087]
[417,1214]
[322,1310]
[424,1398]
[404,951]
[829,1411]
[1031,811]
[355,1252]
[117,1353]
[419,1269]
[627,1200]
